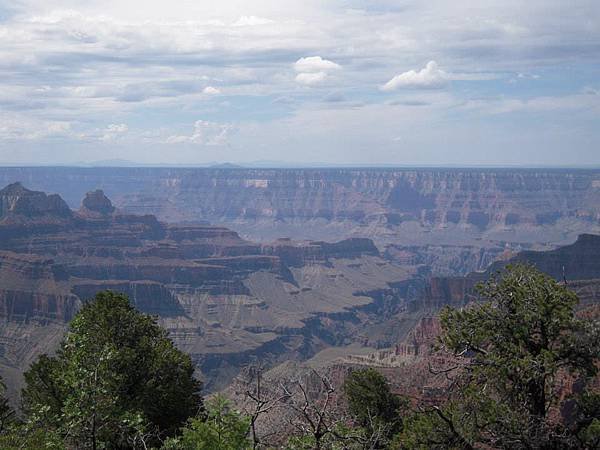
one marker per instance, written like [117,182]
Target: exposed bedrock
[480,198]
[578,264]
[223,299]
[32,288]
[578,261]
[148,296]
[96,203]
[16,201]
[453,220]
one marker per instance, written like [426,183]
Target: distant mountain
[113,163]
[225,166]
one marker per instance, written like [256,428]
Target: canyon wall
[478,198]
[223,299]
[415,367]
[452,220]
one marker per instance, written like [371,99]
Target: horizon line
[294,166]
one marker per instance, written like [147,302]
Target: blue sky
[487,82]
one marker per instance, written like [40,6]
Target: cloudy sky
[411,82]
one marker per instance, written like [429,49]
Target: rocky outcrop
[420,339]
[298,254]
[578,264]
[578,261]
[19,205]
[32,288]
[96,203]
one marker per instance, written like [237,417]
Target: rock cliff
[457,220]
[96,203]
[20,205]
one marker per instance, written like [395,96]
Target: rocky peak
[14,189]
[16,200]
[97,203]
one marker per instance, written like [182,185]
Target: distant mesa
[226,165]
[113,163]
[96,203]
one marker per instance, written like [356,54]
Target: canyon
[290,267]
[453,220]
[414,366]
[223,299]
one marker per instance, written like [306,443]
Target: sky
[340,82]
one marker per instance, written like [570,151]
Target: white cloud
[210,90]
[313,64]
[311,79]
[314,70]
[93,63]
[251,21]
[430,77]
[205,133]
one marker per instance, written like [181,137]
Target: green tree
[512,352]
[586,421]
[222,429]
[25,437]
[116,381]
[372,404]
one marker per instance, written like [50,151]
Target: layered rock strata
[223,299]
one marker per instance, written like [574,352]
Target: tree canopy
[372,404]
[517,352]
[223,428]
[117,379]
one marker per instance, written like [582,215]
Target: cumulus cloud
[251,21]
[315,64]
[210,90]
[311,79]
[313,70]
[89,64]
[430,77]
[205,133]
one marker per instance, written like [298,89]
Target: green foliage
[587,420]
[7,413]
[515,348]
[25,437]
[371,403]
[455,425]
[117,380]
[43,393]
[222,429]
[522,336]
